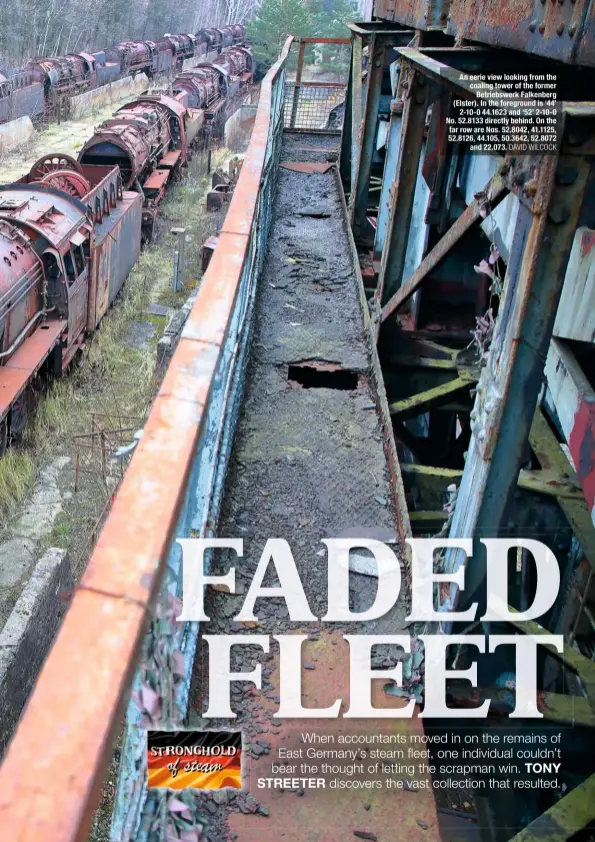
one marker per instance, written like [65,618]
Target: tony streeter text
[424,581]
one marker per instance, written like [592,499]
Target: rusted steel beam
[420,14]
[420,403]
[416,102]
[361,188]
[427,522]
[357,66]
[346,132]
[380,43]
[393,143]
[564,488]
[555,707]
[550,483]
[323,40]
[495,191]
[364,27]
[83,685]
[583,667]
[567,710]
[412,361]
[561,31]
[511,380]
[298,81]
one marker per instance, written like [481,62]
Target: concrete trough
[15,134]
[28,635]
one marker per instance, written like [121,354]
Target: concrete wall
[28,635]
[15,133]
[238,128]
[84,104]
[171,336]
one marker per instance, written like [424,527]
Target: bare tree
[33,28]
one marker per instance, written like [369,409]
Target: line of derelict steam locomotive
[44,84]
[71,231]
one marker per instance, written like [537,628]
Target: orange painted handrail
[324,40]
[52,774]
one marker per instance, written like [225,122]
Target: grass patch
[17,475]
[52,415]
[172,299]
[61,533]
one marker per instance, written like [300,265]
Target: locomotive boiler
[137,136]
[237,61]
[131,56]
[149,141]
[211,85]
[67,75]
[200,87]
[183,47]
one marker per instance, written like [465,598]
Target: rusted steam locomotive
[69,236]
[150,139]
[71,231]
[46,82]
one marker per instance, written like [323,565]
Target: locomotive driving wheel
[68,181]
[54,163]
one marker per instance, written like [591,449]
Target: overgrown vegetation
[276,19]
[17,473]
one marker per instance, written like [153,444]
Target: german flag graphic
[194,759]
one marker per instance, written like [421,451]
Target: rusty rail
[52,774]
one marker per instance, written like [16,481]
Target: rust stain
[329,814]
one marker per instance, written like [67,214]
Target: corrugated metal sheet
[78,296]
[420,14]
[23,102]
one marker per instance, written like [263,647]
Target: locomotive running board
[170,159]
[26,362]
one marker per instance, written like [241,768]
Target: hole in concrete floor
[322,376]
